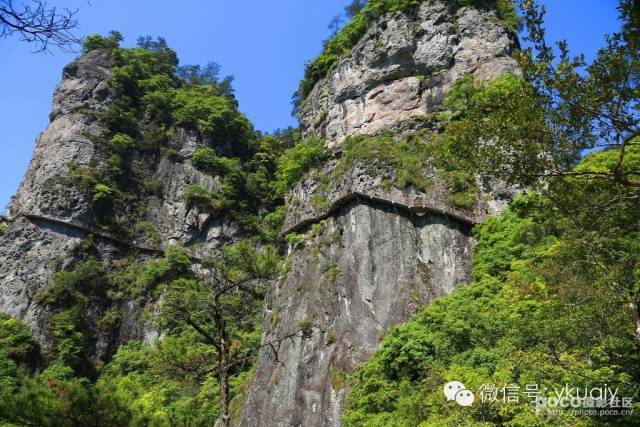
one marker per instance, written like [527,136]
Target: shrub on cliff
[152,99]
[96,41]
[295,162]
[199,107]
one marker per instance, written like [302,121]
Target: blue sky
[264,44]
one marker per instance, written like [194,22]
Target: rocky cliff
[50,219]
[402,68]
[371,253]
[370,240]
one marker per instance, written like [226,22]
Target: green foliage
[556,265]
[51,396]
[341,44]
[272,223]
[483,109]
[529,131]
[223,307]
[297,161]
[48,400]
[294,238]
[69,340]
[197,195]
[248,258]
[110,321]
[239,189]
[205,158]
[120,143]
[198,107]
[166,384]
[16,341]
[414,161]
[508,14]
[71,288]
[176,386]
[3,227]
[175,264]
[142,82]
[82,176]
[337,379]
[306,326]
[151,99]
[118,119]
[464,188]
[194,74]
[149,230]
[70,295]
[409,159]
[102,193]
[319,202]
[332,274]
[96,41]
[517,323]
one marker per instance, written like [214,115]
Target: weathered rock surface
[403,66]
[48,219]
[70,137]
[372,265]
[31,251]
[367,182]
[373,254]
[66,139]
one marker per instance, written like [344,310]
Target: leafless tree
[34,21]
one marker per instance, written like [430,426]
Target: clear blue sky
[263,43]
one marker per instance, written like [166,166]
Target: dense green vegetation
[154,98]
[175,381]
[96,41]
[295,163]
[549,305]
[541,125]
[416,160]
[556,280]
[341,43]
[480,113]
[167,384]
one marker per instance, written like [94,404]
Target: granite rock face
[367,267]
[403,66]
[66,139]
[70,137]
[370,255]
[49,219]
[312,200]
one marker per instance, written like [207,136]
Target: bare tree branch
[37,23]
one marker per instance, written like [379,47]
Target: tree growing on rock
[222,304]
